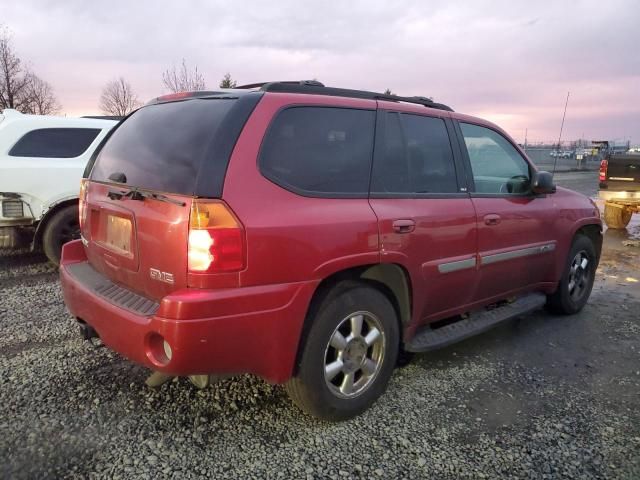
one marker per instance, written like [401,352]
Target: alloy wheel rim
[354,354]
[579,275]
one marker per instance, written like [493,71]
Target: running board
[427,338]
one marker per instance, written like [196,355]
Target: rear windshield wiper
[135,194]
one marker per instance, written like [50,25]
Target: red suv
[310,235]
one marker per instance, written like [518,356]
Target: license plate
[118,233]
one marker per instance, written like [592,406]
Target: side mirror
[542,183]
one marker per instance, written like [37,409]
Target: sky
[511,62]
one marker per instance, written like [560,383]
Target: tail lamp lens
[216,239]
[604,164]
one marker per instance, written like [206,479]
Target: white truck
[42,159]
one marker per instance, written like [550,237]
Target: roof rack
[314,87]
[261,85]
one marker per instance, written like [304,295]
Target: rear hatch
[143,180]
[623,172]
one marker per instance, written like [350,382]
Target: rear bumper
[229,331]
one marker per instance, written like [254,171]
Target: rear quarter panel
[292,238]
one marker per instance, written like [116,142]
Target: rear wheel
[577,279]
[616,217]
[349,355]
[60,229]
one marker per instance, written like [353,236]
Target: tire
[577,278]
[60,229]
[616,217]
[368,359]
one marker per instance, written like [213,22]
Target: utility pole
[560,135]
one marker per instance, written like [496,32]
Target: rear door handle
[404,226]
[492,219]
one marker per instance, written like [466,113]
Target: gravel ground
[539,397]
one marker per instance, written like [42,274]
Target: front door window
[497,167]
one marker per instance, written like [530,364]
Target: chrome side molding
[523,252]
[457,265]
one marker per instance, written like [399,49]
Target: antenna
[555,159]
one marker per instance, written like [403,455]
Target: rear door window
[162,147]
[415,157]
[54,142]
[320,151]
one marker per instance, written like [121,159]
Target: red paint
[242,330]
[251,320]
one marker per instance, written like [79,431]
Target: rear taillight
[604,164]
[216,238]
[82,203]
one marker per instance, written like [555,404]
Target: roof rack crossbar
[314,87]
[261,85]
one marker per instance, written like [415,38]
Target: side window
[54,142]
[320,151]
[496,165]
[415,157]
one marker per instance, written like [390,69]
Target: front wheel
[349,354]
[577,279]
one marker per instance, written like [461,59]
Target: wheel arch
[49,214]
[389,278]
[592,231]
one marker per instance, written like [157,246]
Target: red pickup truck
[310,235]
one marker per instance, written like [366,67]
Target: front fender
[564,244]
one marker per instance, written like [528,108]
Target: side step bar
[427,338]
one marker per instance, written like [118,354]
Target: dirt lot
[539,397]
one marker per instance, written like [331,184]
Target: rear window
[54,142]
[320,151]
[162,147]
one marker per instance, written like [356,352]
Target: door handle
[492,219]
[404,226]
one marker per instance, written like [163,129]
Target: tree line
[23,90]
[119,99]
[20,87]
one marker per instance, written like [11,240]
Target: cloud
[507,60]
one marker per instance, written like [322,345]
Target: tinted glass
[162,147]
[55,142]
[416,157]
[496,164]
[320,150]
